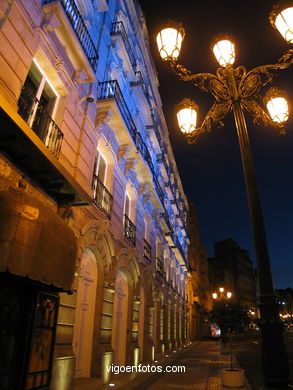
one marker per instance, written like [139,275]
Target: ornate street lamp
[237,90]
[223,294]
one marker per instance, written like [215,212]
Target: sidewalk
[203,362]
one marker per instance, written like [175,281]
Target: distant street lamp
[238,90]
[223,294]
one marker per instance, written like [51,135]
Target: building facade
[93,237]
[232,269]
[198,286]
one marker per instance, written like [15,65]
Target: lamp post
[237,90]
[222,296]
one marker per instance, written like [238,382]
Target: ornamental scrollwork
[260,117]
[207,82]
[230,85]
[251,84]
[213,118]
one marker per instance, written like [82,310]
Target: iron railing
[118,28]
[129,230]
[111,90]
[37,117]
[147,250]
[161,158]
[102,197]
[79,27]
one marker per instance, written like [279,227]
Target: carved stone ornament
[102,117]
[130,165]
[143,187]
[80,77]
[49,22]
[147,197]
[123,151]
[58,64]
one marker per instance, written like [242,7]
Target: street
[247,352]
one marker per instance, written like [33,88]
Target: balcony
[175,206]
[154,132]
[129,230]
[110,98]
[119,29]
[102,197]
[147,251]
[29,153]
[162,162]
[37,117]
[179,253]
[159,266]
[73,34]
[111,90]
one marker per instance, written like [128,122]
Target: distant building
[198,287]
[285,302]
[232,269]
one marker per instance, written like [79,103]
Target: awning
[34,241]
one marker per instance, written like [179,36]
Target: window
[127,205]
[102,197]
[129,227]
[37,105]
[100,167]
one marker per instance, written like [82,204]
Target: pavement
[203,361]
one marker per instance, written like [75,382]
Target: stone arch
[120,327]
[126,258]
[95,236]
[146,316]
[95,241]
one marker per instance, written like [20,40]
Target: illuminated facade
[93,238]
[198,286]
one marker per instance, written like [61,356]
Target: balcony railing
[118,28]
[129,230]
[102,197]
[79,27]
[111,90]
[161,159]
[147,250]
[37,117]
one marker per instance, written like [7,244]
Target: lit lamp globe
[281,19]
[169,41]
[224,50]
[187,115]
[277,105]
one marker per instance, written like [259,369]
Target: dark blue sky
[211,171]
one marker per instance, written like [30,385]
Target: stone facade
[83,133]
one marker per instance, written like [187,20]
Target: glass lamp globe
[224,50]
[281,18]
[187,115]
[277,105]
[169,41]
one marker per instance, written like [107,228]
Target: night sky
[211,171]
